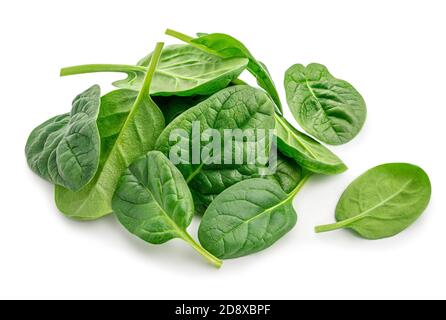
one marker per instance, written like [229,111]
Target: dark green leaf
[152,201]
[65,149]
[173,106]
[236,107]
[246,218]
[286,172]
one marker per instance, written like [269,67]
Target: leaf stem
[179,35]
[189,40]
[328,227]
[143,94]
[92,68]
[337,225]
[238,81]
[145,89]
[206,254]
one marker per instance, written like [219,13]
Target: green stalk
[92,68]
[337,225]
[144,92]
[179,35]
[145,89]
[238,82]
[189,40]
[204,253]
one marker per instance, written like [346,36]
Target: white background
[393,52]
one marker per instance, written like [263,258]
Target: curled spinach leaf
[306,151]
[129,128]
[226,46]
[248,217]
[65,149]
[152,201]
[182,70]
[329,109]
[383,201]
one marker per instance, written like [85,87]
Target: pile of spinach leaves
[111,153]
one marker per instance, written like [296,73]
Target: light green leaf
[306,151]
[383,201]
[126,135]
[226,46]
[329,109]
[287,173]
[182,71]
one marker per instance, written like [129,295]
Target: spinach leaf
[152,201]
[237,107]
[182,70]
[329,109]
[173,106]
[383,201]
[306,151]
[126,135]
[246,218]
[207,185]
[226,46]
[65,149]
[285,171]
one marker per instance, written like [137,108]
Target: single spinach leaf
[209,183]
[152,201]
[65,149]
[285,171]
[173,106]
[306,151]
[329,109]
[127,133]
[246,218]
[226,46]
[236,107]
[182,70]
[383,201]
